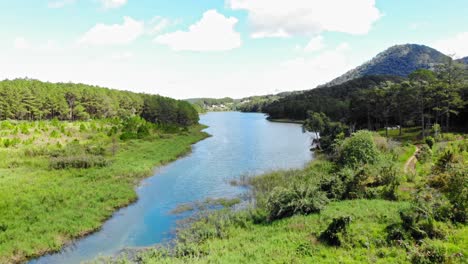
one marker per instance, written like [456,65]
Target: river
[241,143]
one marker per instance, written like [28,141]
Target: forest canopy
[28,99]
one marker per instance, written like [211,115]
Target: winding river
[241,143]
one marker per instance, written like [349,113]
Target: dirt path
[410,165]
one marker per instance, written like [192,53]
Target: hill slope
[463,60]
[332,101]
[399,60]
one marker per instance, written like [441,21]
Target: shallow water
[241,143]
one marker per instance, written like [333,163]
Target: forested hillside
[424,98]
[399,60]
[26,99]
[334,101]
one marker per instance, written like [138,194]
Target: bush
[337,228]
[78,162]
[430,141]
[428,254]
[358,149]
[424,154]
[285,202]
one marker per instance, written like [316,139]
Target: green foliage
[430,141]
[284,202]
[78,162]
[424,154]
[357,150]
[334,232]
[26,99]
[67,186]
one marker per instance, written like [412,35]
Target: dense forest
[27,99]
[423,99]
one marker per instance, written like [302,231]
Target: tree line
[425,98]
[28,99]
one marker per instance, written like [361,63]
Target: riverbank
[291,121]
[60,180]
[334,212]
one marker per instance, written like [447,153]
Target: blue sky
[215,48]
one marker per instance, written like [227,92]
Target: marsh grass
[45,203]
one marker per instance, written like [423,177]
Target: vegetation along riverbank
[62,174]
[352,205]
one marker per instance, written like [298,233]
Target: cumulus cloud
[214,32]
[116,34]
[307,17]
[315,44]
[113,3]
[456,45]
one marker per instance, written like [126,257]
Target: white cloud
[158,24]
[307,17]
[113,3]
[315,44]
[21,43]
[59,3]
[343,47]
[214,32]
[456,45]
[122,56]
[116,34]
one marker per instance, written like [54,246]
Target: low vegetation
[351,205]
[60,180]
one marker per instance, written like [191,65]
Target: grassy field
[295,239]
[385,215]
[61,180]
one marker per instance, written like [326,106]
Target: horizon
[232,48]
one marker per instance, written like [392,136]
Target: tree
[71,98]
[316,123]
[422,81]
[450,76]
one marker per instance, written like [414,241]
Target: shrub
[285,202]
[337,228]
[424,154]
[359,149]
[430,141]
[78,162]
[55,134]
[428,254]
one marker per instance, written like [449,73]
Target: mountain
[463,60]
[399,60]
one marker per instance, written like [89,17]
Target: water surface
[241,143]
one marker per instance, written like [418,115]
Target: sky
[215,48]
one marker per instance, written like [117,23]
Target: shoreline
[288,121]
[201,135]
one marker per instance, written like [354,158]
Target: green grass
[411,134]
[294,240]
[42,208]
[251,236]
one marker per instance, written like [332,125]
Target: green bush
[54,134]
[359,149]
[78,162]
[337,228]
[424,154]
[285,202]
[430,141]
[429,254]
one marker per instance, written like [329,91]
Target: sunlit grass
[42,208]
